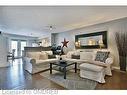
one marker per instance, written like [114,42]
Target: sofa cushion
[76,52]
[75,56]
[101,56]
[69,54]
[46,61]
[86,55]
[48,52]
[43,56]
[34,55]
[91,67]
[37,55]
[98,63]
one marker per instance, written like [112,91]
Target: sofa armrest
[109,61]
[102,64]
[30,60]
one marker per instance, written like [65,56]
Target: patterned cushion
[101,56]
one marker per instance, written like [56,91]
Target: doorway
[23,44]
[14,47]
[18,47]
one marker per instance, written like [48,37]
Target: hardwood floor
[15,77]
[116,82]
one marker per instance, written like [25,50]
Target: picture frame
[91,40]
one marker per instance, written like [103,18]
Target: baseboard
[116,68]
[4,66]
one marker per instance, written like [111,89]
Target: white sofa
[37,61]
[89,68]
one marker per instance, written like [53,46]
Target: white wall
[45,39]
[10,37]
[3,52]
[5,40]
[112,27]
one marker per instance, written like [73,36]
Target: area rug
[72,82]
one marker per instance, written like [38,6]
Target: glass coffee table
[62,66]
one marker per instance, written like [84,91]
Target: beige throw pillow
[48,52]
[43,56]
[33,55]
[86,55]
[69,54]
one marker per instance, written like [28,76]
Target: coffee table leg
[64,72]
[50,68]
[75,67]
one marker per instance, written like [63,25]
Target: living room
[40,29]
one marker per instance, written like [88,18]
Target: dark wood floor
[15,77]
[116,82]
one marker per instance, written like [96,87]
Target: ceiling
[34,20]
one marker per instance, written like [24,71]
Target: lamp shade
[91,42]
[101,44]
[77,44]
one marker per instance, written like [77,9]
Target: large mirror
[91,41]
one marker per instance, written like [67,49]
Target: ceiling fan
[50,27]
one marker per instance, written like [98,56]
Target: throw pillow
[48,52]
[51,56]
[86,55]
[101,56]
[34,55]
[75,56]
[43,56]
[76,52]
[69,54]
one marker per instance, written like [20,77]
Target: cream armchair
[89,68]
[95,70]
